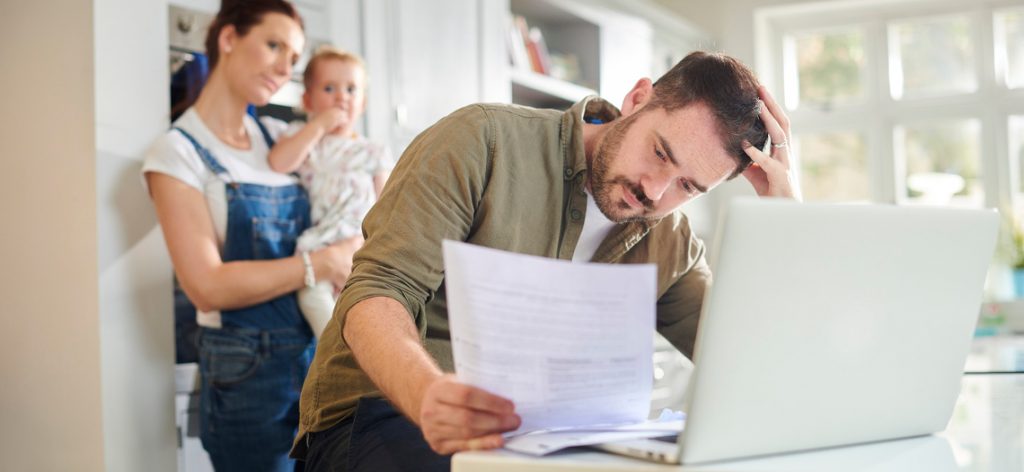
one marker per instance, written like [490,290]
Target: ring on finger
[780,145]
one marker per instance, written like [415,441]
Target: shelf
[603,49]
[534,88]
[572,40]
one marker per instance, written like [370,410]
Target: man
[586,184]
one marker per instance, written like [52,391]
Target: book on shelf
[518,55]
[527,48]
[537,43]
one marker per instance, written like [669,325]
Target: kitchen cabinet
[427,59]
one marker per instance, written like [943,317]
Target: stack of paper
[570,344]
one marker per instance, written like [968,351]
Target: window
[1016,142]
[828,68]
[1009,46]
[907,103]
[943,162]
[931,57]
[834,167]
[913,103]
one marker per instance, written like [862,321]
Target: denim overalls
[253,367]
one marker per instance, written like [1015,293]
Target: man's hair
[725,85]
[327,52]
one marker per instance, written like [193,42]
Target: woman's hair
[327,52]
[243,15]
[728,87]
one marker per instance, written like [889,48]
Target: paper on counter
[568,343]
[544,442]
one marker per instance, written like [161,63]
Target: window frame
[879,114]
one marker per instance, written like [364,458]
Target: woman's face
[260,62]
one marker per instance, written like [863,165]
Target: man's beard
[602,186]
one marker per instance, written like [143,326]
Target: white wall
[87,339]
[731,22]
[50,403]
[136,311]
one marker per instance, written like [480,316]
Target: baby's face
[337,84]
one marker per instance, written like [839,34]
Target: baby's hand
[334,262]
[329,120]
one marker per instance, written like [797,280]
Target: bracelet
[310,277]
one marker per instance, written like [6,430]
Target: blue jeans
[376,438]
[253,368]
[250,395]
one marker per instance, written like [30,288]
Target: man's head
[678,138]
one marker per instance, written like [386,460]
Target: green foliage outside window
[830,68]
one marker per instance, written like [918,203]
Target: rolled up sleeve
[679,307]
[432,195]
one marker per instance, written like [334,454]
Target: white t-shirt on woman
[174,155]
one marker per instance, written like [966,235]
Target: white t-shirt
[596,227]
[174,155]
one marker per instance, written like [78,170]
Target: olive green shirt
[501,176]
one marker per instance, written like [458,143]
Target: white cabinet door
[426,59]
[437,48]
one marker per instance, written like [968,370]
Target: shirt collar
[591,107]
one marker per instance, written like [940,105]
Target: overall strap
[207,157]
[265,133]
[268,139]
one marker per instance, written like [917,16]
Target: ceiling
[678,7]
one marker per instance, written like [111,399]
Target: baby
[342,171]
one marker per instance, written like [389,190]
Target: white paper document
[570,344]
[546,442]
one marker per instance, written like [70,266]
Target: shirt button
[576,215]
[568,173]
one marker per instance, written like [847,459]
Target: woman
[230,224]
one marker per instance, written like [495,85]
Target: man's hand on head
[771,175]
[458,417]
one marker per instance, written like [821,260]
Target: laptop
[829,325]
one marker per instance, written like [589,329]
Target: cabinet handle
[401,114]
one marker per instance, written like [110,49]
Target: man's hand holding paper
[569,344]
[456,417]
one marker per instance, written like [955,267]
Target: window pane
[943,162]
[1017,154]
[833,166]
[829,68]
[931,57]
[1009,32]
[1012,253]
